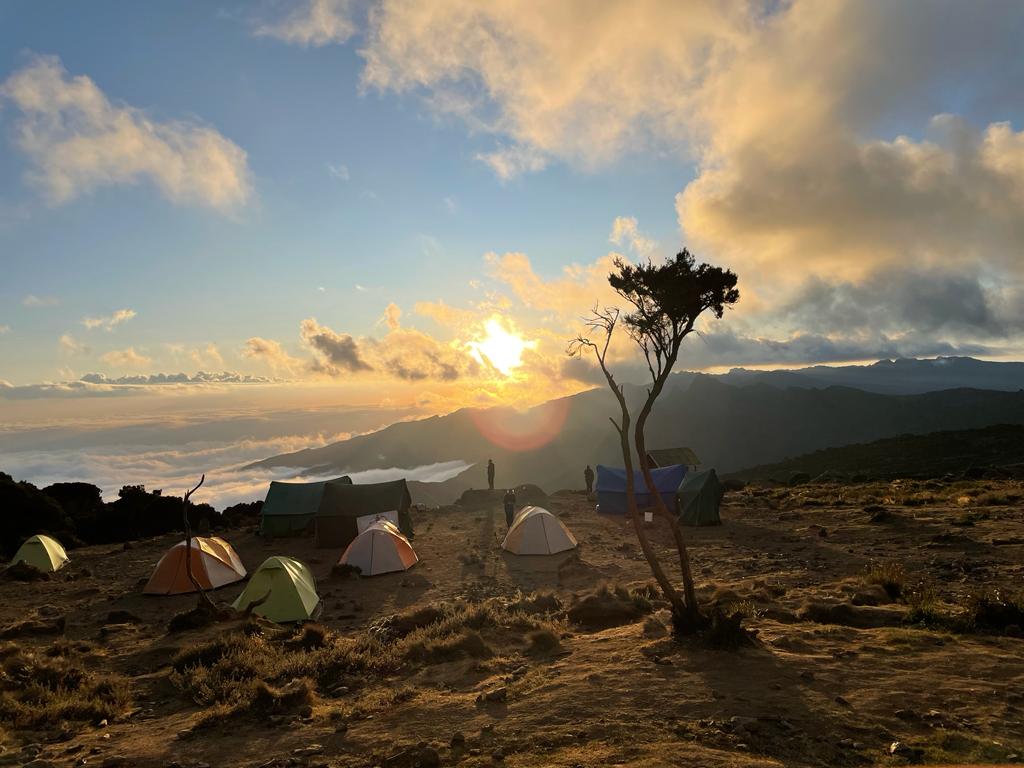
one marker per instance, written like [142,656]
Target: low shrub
[890,576]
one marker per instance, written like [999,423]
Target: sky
[220,209]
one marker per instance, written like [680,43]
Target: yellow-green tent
[289,587]
[42,552]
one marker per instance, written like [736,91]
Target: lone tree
[665,301]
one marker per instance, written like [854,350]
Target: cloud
[339,171]
[393,316]
[450,204]
[412,355]
[208,356]
[72,346]
[312,23]
[101,385]
[509,162]
[40,301]
[335,353]
[201,377]
[110,321]
[4,329]
[557,79]
[76,140]
[272,353]
[125,358]
[573,293]
[361,289]
[625,231]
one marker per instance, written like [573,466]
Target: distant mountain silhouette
[730,426]
[959,452]
[903,376]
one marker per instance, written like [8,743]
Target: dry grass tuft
[609,607]
[44,690]
[890,576]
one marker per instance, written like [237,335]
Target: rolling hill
[731,427]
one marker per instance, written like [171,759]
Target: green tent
[289,508]
[42,552]
[347,509]
[289,587]
[698,497]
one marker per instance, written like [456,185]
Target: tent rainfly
[289,508]
[667,457]
[699,497]
[379,548]
[285,590]
[42,552]
[214,564]
[347,509]
[535,531]
[611,488]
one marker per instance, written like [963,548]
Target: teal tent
[289,508]
[699,496]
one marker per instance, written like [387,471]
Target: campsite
[468,659]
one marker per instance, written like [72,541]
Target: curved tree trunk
[204,600]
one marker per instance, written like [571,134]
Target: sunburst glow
[500,347]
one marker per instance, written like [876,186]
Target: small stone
[843,702]
[493,696]
[458,740]
[312,749]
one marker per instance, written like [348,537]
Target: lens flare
[527,430]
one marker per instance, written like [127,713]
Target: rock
[493,696]
[807,674]
[458,740]
[899,749]
[312,749]
[843,702]
[906,714]
[873,594]
[845,614]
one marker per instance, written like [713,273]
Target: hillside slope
[730,428]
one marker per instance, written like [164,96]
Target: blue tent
[611,487]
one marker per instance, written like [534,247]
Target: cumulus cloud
[509,162]
[76,139]
[109,322]
[626,231]
[126,358]
[312,23]
[272,353]
[335,353]
[393,316]
[412,355]
[200,377]
[72,346]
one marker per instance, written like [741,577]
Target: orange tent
[214,564]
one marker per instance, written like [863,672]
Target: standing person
[490,474]
[510,506]
[588,476]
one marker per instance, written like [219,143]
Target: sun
[500,347]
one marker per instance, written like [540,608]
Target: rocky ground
[877,642]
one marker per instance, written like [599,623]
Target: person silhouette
[490,474]
[510,506]
[588,477]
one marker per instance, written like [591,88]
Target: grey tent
[699,496]
[347,509]
[666,457]
[289,508]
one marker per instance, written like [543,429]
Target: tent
[611,488]
[290,507]
[379,548]
[42,552]
[347,509]
[289,588]
[214,564]
[699,496]
[535,531]
[667,457]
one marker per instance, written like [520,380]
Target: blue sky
[391,175]
[416,211]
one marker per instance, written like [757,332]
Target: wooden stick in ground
[204,600]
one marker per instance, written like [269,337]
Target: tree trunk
[670,592]
[692,612]
[204,600]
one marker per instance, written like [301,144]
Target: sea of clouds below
[175,468]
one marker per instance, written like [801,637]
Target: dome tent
[611,488]
[699,498]
[214,564]
[286,588]
[380,548]
[535,531]
[43,553]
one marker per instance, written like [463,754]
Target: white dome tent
[379,548]
[535,531]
